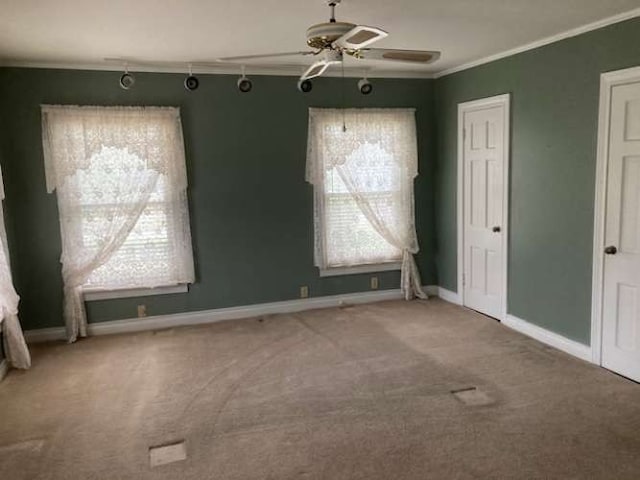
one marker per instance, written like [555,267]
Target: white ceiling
[85,32]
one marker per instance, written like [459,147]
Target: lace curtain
[370,157]
[120,178]
[15,347]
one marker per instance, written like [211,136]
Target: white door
[621,296]
[484,162]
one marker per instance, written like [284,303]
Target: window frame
[93,294]
[361,269]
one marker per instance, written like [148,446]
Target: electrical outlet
[304,291]
[374,283]
[142,311]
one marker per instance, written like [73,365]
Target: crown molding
[574,32]
[211,69]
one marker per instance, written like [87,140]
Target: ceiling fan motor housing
[323,35]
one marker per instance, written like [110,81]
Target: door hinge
[464,280]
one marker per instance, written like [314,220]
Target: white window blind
[151,255]
[120,178]
[362,163]
[349,237]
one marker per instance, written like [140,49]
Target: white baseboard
[291,306]
[4,368]
[232,313]
[431,290]
[550,338]
[217,315]
[449,296]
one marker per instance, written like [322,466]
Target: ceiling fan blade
[359,37]
[266,56]
[315,70]
[328,58]
[407,56]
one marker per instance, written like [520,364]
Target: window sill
[378,267]
[92,294]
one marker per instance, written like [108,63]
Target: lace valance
[392,129]
[72,135]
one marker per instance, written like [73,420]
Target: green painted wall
[555,91]
[251,210]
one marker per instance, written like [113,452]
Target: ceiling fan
[332,40]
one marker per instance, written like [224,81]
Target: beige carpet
[354,393]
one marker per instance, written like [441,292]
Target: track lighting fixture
[126,79]
[191,83]
[365,87]
[244,84]
[305,86]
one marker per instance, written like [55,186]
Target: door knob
[611,250]
[496,229]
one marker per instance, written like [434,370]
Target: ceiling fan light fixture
[323,35]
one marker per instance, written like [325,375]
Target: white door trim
[498,100]
[607,82]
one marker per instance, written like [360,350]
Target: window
[362,164]
[150,255]
[120,178]
[349,237]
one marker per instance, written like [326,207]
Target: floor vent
[169,453]
[472,396]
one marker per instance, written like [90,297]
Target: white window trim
[369,268]
[95,293]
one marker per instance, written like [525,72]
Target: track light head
[365,86]
[244,84]
[305,86]
[127,80]
[191,83]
